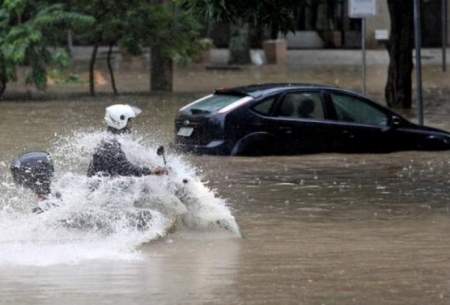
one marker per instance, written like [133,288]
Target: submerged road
[318,229]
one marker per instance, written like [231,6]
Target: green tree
[108,29]
[276,15]
[171,31]
[168,29]
[28,31]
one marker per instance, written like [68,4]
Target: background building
[326,24]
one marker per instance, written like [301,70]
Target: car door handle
[287,130]
[348,134]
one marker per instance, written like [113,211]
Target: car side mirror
[396,121]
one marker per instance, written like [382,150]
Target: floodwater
[317,229]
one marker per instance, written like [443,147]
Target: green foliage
[62,77]
[175,31]
[272,13]
[217,10]
[16,7]
[27,30]
[30,29]
[143,23]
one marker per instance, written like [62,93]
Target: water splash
[104,218]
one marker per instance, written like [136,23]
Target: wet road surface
[318,229]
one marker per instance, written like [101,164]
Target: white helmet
[117,116]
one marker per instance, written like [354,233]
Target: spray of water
[105,218]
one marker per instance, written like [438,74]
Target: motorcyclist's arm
[113,160]
[129,169]
[126,168]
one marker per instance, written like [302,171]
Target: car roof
[269,89]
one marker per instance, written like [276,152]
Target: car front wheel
[254,146]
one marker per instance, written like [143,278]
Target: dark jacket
[110,160]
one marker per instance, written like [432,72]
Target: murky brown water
[318,229]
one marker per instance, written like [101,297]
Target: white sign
[362,8]
[381,35]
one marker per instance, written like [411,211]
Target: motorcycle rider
[109,159]
[34,171]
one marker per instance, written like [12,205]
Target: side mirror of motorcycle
[160,151]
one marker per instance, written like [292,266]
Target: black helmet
[34,170]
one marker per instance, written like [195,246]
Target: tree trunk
[398,91]
[110,69]
[3,77]
[2,87]
[312,15]
[70,42]
[274,29]
[161,71]
[91,70]
[239,44]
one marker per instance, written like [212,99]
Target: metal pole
[364,61]
[444,9]
[418,38]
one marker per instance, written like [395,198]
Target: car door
[359,125]
[256,125]
[300,122]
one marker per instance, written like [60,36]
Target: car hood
[432,129]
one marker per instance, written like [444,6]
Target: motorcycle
[35,171]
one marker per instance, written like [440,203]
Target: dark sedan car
[295,119]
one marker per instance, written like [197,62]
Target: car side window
[351,109]
[265,106]
[302,105]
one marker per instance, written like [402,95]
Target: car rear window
[212,103]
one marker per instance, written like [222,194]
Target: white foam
[102,218]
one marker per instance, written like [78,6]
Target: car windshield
[212,103]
